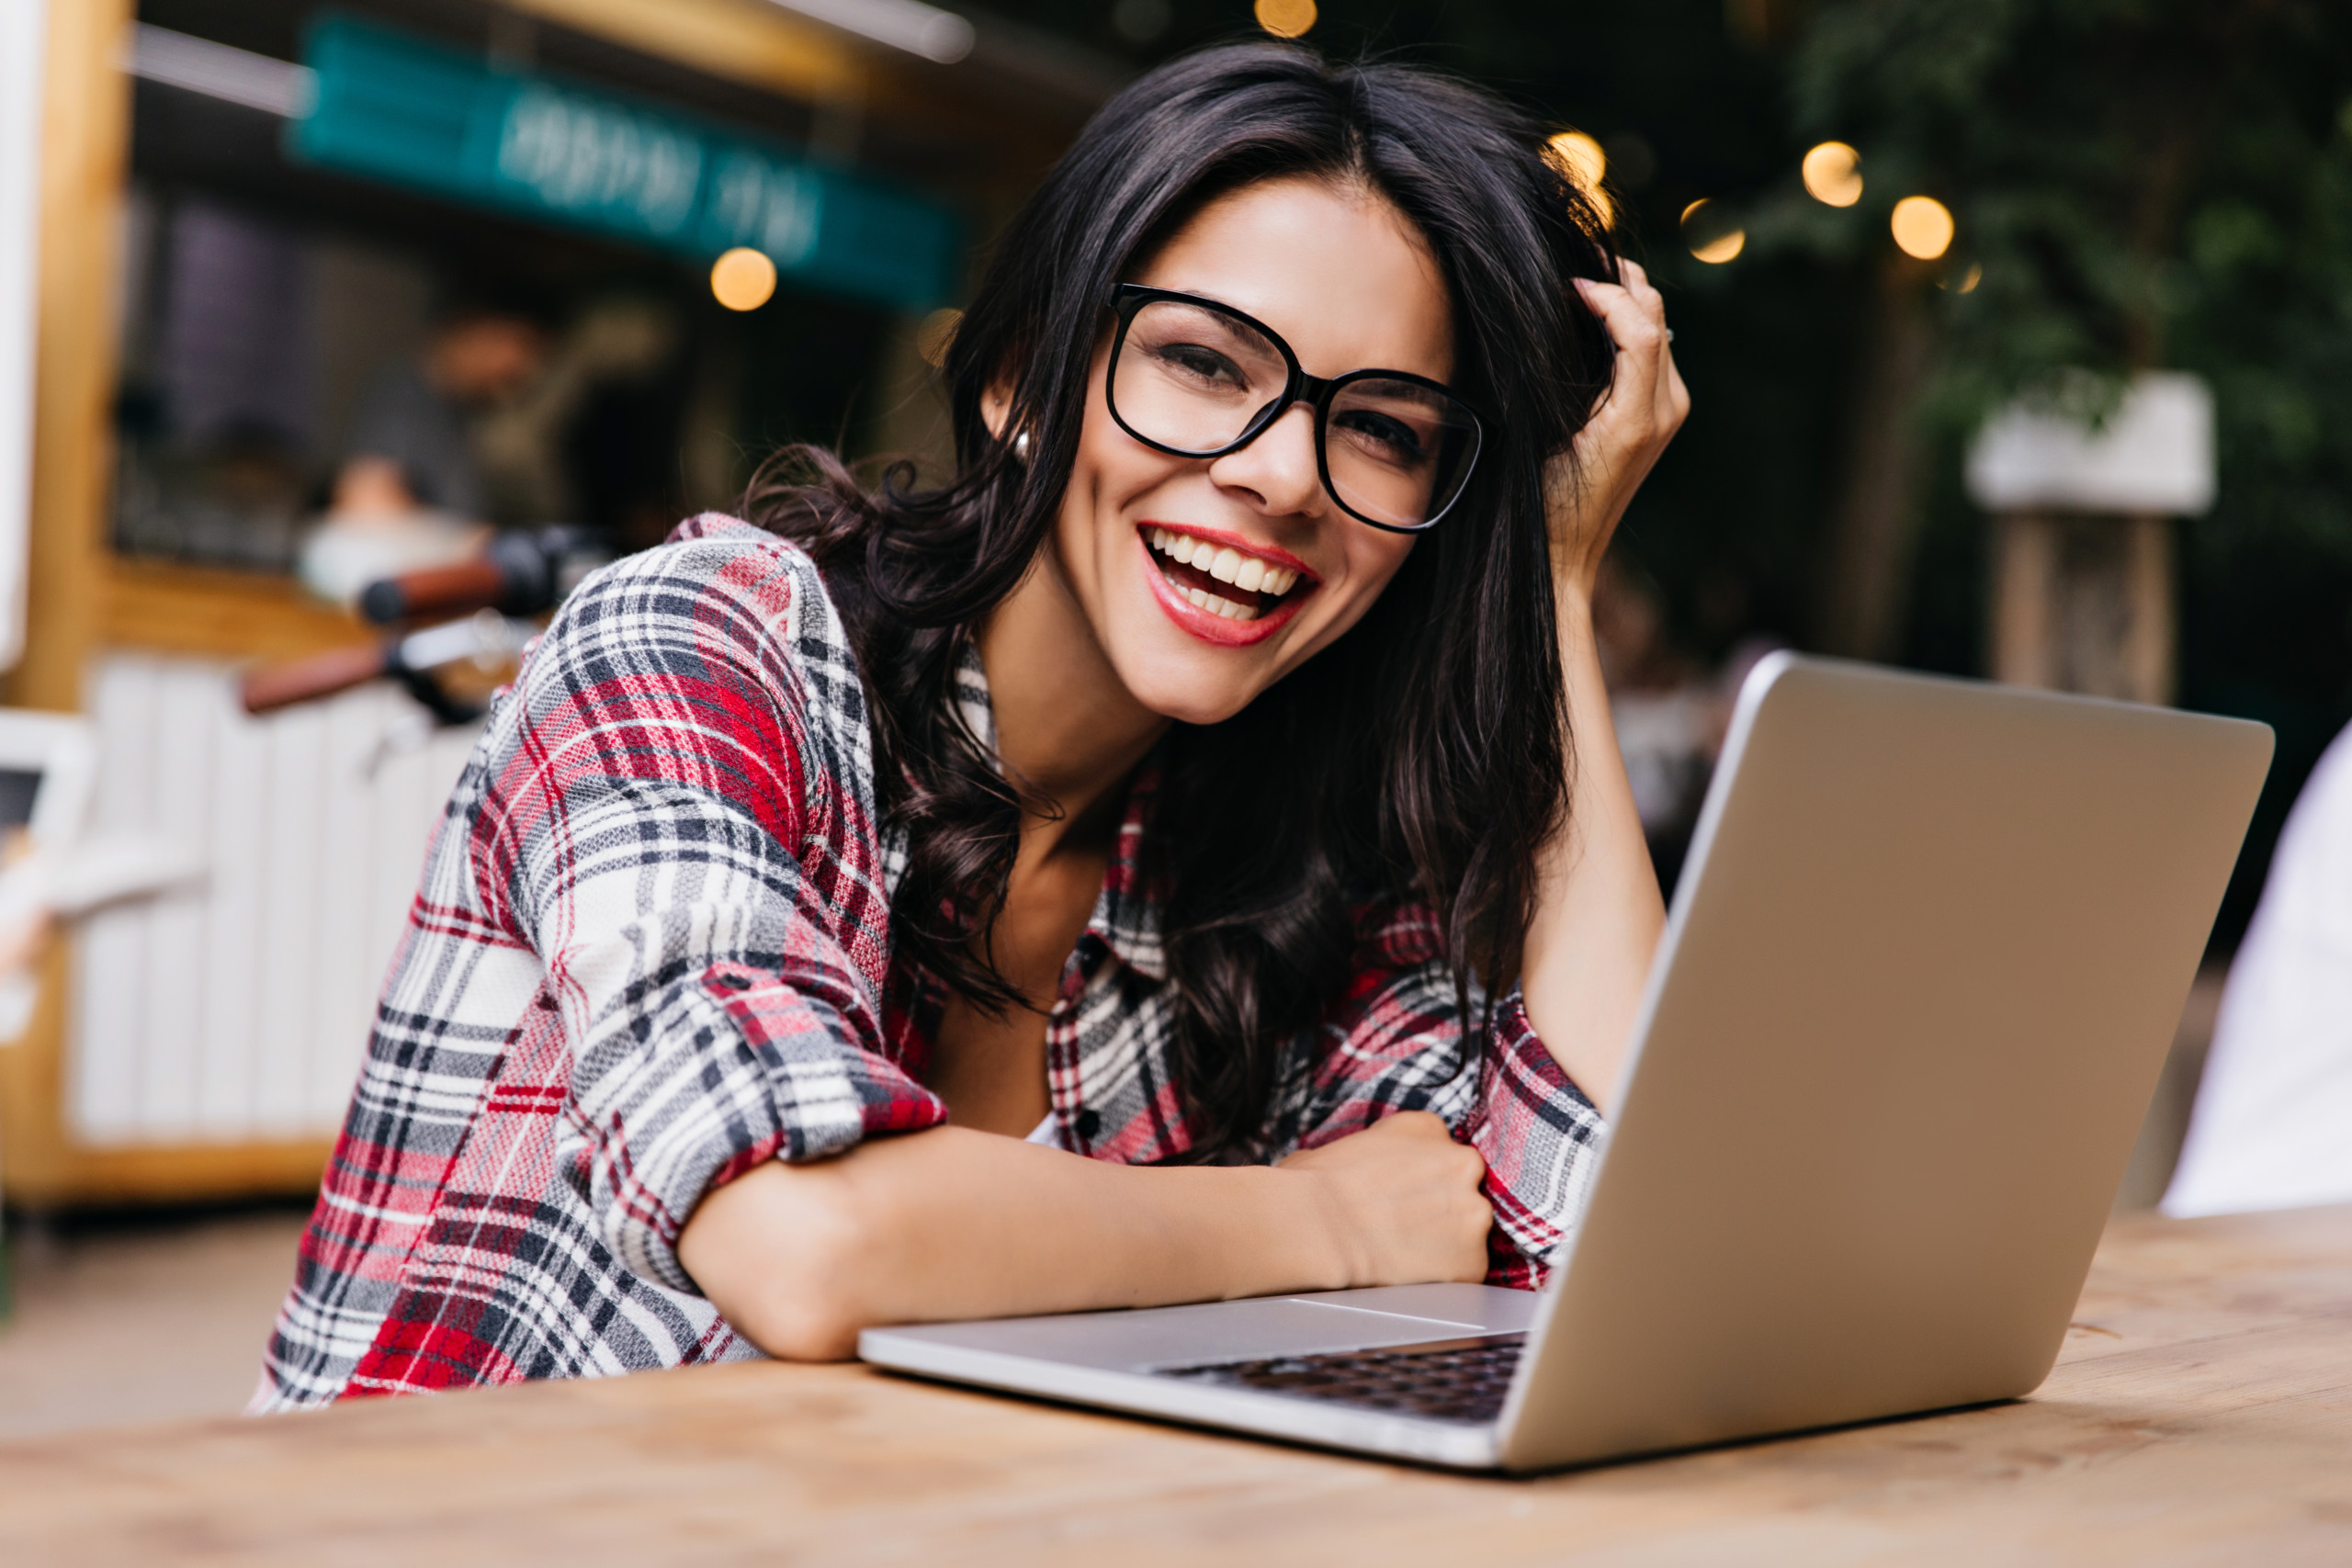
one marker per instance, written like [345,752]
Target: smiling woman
[1185,787]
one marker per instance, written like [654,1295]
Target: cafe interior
[299,197]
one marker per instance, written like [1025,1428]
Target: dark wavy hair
[1423,756]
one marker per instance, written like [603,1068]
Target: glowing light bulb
[1581,158]
[1714,253]
[1923,227]
[742,279]
[1710,245]
[936,333]
[1833,173]
[1285,19]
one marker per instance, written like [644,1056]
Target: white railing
[239,1010]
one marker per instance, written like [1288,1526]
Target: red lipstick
[1206,625]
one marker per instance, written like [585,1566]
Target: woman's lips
[1249,615]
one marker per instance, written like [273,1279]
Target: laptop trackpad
[1273,1326]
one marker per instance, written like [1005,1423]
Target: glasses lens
[1191,377]
[1399,453]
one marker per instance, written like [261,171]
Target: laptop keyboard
[1451,1379]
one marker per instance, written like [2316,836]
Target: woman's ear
[996,407]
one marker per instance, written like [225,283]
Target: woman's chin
[1190,702]
[1177,678]
[1187,665]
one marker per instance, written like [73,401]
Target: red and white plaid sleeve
[1541,1138]
[685,833]
[649,952]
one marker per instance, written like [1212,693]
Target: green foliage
[2137,183]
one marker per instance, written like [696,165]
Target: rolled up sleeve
[680,838]
[1541,1137]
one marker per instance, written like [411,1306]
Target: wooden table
[2202,1412]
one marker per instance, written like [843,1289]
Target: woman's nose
[1277,471]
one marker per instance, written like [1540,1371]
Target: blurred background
[2020,336]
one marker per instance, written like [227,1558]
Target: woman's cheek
[1373,565]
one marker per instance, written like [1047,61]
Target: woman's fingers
[1635,315]
[1642,408]
[1406,1198]
[1646,386]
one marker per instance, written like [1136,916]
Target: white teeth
[1200,600]
[1246,573]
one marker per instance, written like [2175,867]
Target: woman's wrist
[1335,1252]
[1298,1239]
[1572,595]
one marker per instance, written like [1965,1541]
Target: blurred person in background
[2272,1127]
[409,492]
[470,435]
[1662,707]
[1146,869]
[1672,713]
[412,445]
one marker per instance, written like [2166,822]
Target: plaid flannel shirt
[653,949]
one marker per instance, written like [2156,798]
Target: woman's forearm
[1599,913]
[955,1223]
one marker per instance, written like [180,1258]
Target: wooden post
[2083,573]
[2084,603]
[86,136]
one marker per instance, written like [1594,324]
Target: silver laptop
[1919,980]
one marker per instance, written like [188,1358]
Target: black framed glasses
[1195,378]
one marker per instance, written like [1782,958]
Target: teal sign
[396,108]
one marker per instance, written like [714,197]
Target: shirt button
[735,982]
[1089,1122]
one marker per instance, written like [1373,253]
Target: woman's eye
[1383,435]
[1191,362]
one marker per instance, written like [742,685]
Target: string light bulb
[1286,18]
[1922,226]
[742,279]
[935,335]
[1833,175]
[1717,247]
[1581,158]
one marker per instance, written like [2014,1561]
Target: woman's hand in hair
[1587,488]
[1402,1202]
